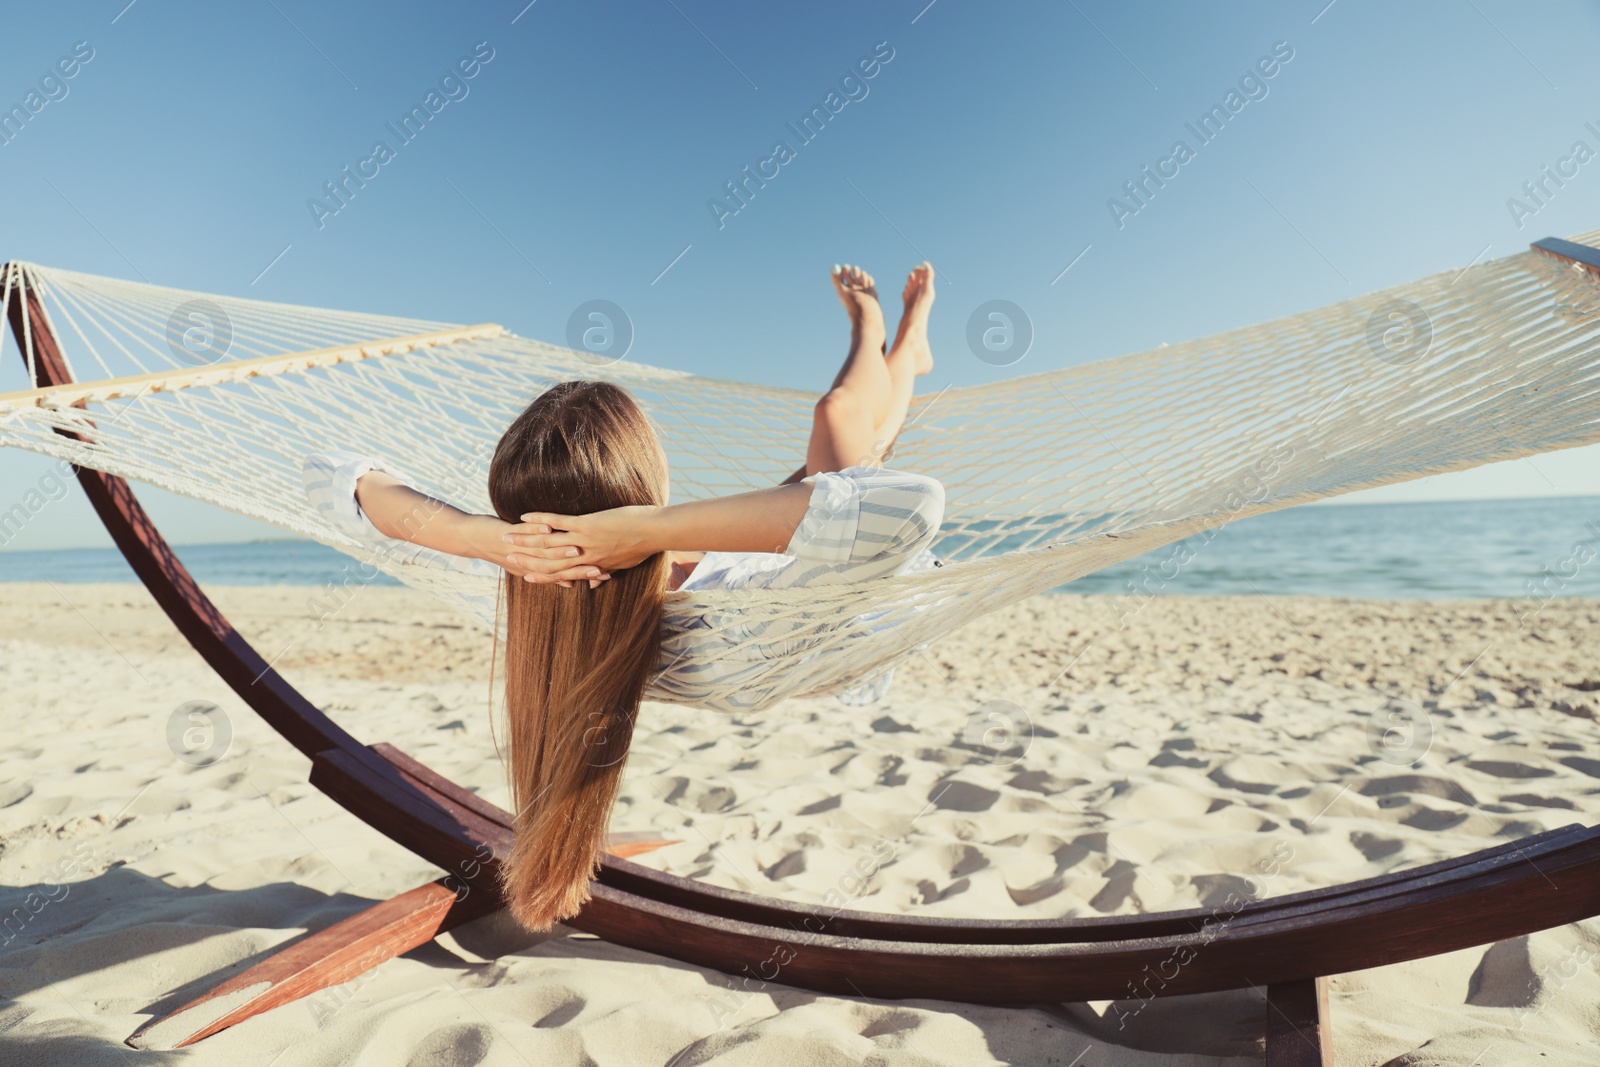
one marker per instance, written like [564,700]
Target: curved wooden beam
[1407,915]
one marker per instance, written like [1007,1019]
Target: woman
[579,487]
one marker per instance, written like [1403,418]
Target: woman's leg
[909,357]
[859,417]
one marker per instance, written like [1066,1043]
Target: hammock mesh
[1048,477]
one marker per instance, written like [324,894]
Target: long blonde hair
[577,660]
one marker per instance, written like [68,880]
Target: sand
[1065,757]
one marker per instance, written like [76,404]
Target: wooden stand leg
[345,950]
[1298,1031]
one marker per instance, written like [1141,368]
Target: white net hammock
[1048,477]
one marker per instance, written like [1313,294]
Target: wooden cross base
[344,951]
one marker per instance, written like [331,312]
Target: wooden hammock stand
[1283,947]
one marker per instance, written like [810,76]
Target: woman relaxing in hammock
[589,549]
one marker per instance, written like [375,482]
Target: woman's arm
[545,545]
[401,512]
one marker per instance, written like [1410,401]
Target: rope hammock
[1048,477]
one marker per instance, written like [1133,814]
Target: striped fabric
[861,523]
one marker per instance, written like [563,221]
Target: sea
[1411,551]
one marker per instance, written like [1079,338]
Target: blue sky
[578,162]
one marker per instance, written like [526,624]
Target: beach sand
[1056,759]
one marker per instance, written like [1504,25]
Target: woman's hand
[567,548]
[484,535]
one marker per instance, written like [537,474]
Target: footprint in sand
[562,1014]
[792,864]
[1120,878]
[1509,769]
[887,774]
[1044,782]
[463,1046]
[1434,819]
[1032,894]
[1169,754]
[1373,847]
[1237,774]
[1591,767]
[1215,890]
[1427,785]
[716,798]
[1505,977]
[825,804]
[932,894]
[1533,800]
[962,796]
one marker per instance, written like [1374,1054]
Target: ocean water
[1482,548]
[244,563]
[1423,551]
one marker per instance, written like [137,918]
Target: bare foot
[913,333]
[860,299]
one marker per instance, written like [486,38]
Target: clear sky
[579,160]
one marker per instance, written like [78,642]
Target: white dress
[861,523]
